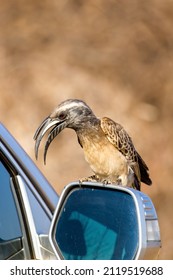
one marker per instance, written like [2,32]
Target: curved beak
[48,123]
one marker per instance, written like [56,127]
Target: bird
[107,147]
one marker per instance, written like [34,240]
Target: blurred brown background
[118,57]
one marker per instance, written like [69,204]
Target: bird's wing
[117,135]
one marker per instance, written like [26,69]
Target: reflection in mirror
[98,224]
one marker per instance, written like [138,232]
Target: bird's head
[72,113]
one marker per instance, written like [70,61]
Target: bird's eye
[62,116]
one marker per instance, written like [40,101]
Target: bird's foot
[95,178]
[106,182]
[119,182]
[92,178]
[109,182]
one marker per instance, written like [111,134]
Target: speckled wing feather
[122,141]
[117,135]
[119,138]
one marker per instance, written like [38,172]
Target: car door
[25,204]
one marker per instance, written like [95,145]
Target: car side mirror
[96,222]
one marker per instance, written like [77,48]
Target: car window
[10,229]
[41,219]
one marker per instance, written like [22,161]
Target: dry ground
[118,57]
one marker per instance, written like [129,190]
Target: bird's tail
[136,183]
[144,171]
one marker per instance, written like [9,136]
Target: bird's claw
[109,182]
[106,182]
[95,178]
[92,178]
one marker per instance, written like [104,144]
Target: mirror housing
[96,221]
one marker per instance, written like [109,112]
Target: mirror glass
[97,224]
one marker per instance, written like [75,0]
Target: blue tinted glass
[9,221]
[98,224]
